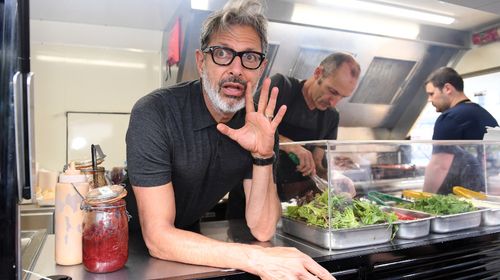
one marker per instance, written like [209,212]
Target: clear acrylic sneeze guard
[388,167]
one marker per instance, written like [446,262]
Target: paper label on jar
[106,191]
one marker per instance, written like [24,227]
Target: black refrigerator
[17,163]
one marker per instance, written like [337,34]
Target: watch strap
[264,161]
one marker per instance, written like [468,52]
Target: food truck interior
[94,59]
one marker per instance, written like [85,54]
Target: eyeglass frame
[211,49]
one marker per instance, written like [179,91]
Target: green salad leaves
[440,205]
[345,212]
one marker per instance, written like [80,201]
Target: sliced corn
[461,191]
[416,194]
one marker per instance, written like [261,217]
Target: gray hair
[237,12]
[335,60]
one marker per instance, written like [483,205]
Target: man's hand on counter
[286,263]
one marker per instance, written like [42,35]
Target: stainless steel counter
[35,217]
[141,266]
[31,244]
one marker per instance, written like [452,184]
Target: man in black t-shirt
[188,145]
[311,115]
[460,119]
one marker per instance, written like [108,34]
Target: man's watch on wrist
[264,161]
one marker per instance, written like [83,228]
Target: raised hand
[257,135]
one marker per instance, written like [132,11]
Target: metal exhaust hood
[390,94]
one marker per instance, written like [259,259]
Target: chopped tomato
[404,217]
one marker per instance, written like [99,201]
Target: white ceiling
[470,15]
[141,14]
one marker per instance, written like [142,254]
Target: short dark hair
[443,75]
[236,12]
[335,60]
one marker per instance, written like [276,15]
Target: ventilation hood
[390,94]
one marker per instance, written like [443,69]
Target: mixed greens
[345,212]
[440,205]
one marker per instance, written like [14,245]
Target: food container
[105,230]
[392,171]
[491,217]
[411,229]
[338,238]
[454,222]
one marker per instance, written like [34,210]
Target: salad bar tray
[454,222]
[491,217]
[418,226]
[338,238]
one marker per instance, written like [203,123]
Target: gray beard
[216,99]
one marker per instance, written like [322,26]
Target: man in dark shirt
[460,119]
[311,115]
[190,144]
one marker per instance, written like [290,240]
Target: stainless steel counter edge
[141,266]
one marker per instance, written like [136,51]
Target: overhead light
[78,143]
[312,15]
[199,5]
[390,10]
[97,62]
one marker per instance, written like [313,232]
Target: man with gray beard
[190,144]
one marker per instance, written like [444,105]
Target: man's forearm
[318,155]
[263,207]
[198,249]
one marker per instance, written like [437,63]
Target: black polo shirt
[173,138]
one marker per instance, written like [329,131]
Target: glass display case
[370,192]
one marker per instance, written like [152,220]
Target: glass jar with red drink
[105,229]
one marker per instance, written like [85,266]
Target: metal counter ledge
[424,256]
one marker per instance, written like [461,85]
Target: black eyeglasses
[224,56]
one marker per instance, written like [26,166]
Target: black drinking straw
[94,164]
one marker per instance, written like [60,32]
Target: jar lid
[105,194]
[86,163]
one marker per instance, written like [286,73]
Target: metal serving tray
[411,229]
[339,238]
[454,222]
[491,217]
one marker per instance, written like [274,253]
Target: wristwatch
[264,161]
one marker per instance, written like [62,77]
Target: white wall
[476,59]
[480,58]
[88,68]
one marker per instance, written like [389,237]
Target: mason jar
[105,230]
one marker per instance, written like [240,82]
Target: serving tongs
[468,193]
[385,199]
[320,183]
[479,199]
